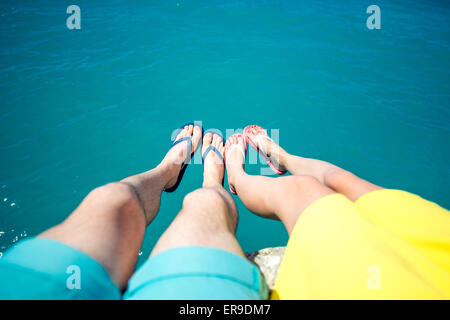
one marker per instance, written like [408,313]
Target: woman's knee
[348,184]
[304,183]
[298,190]
[296,194]
[337,177]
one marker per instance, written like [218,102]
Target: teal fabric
[40,268]
[197,273]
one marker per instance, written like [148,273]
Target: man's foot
[234,159]
[213,170]
[176,156]
[274,152]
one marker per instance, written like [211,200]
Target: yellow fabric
[389,244]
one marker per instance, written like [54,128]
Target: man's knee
[205,198]
[212,203]
[113,197]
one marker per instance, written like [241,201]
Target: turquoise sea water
[80,108]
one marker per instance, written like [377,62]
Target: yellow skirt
[389,244]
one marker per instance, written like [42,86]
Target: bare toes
[217,141]
[207,138]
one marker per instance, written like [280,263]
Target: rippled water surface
[82,108]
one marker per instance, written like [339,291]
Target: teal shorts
[197,273]
[41,268]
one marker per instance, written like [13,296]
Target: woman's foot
[274,152]
[213,167]
[178,154]
[234,158]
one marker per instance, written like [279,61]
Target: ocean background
[81,108]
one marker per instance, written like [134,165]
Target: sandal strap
[258,139]
[211,147]
[189,142]
[240,149]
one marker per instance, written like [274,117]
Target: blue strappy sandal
[211,147]
[186,161]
